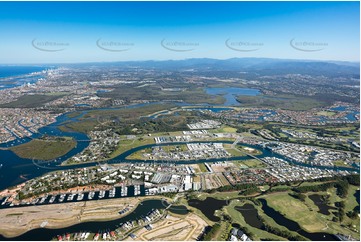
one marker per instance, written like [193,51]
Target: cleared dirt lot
[16,221]
[173,228]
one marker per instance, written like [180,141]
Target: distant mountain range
[260,65]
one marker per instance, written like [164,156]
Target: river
[15,170]
[230,93]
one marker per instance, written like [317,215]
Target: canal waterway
[45,234]
[15,170]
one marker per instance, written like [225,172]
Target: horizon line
[185,59]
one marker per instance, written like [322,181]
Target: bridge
[174,201]
[236,142]
[254,157]
[234,147]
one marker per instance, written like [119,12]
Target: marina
[80,197]
[52,199]
[112,192]
[116,192]
[136,190]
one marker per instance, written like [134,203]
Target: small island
[45,148]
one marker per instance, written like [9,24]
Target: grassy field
[217,139]
[309,220]
[131,120]
[128,113]
[251,163]
[139,155]
[31,101]
[202,167]
[344,127]
[224,129]
[73,114]
[341,163]
[191,94]
[174,121]
[84,126]
[306,215]
[219,195]
[233,151]
[127,144]
[172,148]
[351,202]
[237,217]
[252,125]
[247,150]
[44,149]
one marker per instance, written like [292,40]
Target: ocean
[13,76]
[9,71]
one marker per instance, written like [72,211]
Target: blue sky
[69,32]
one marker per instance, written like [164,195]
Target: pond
[179,209]
[321,204]
[250,215]
[208,207]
